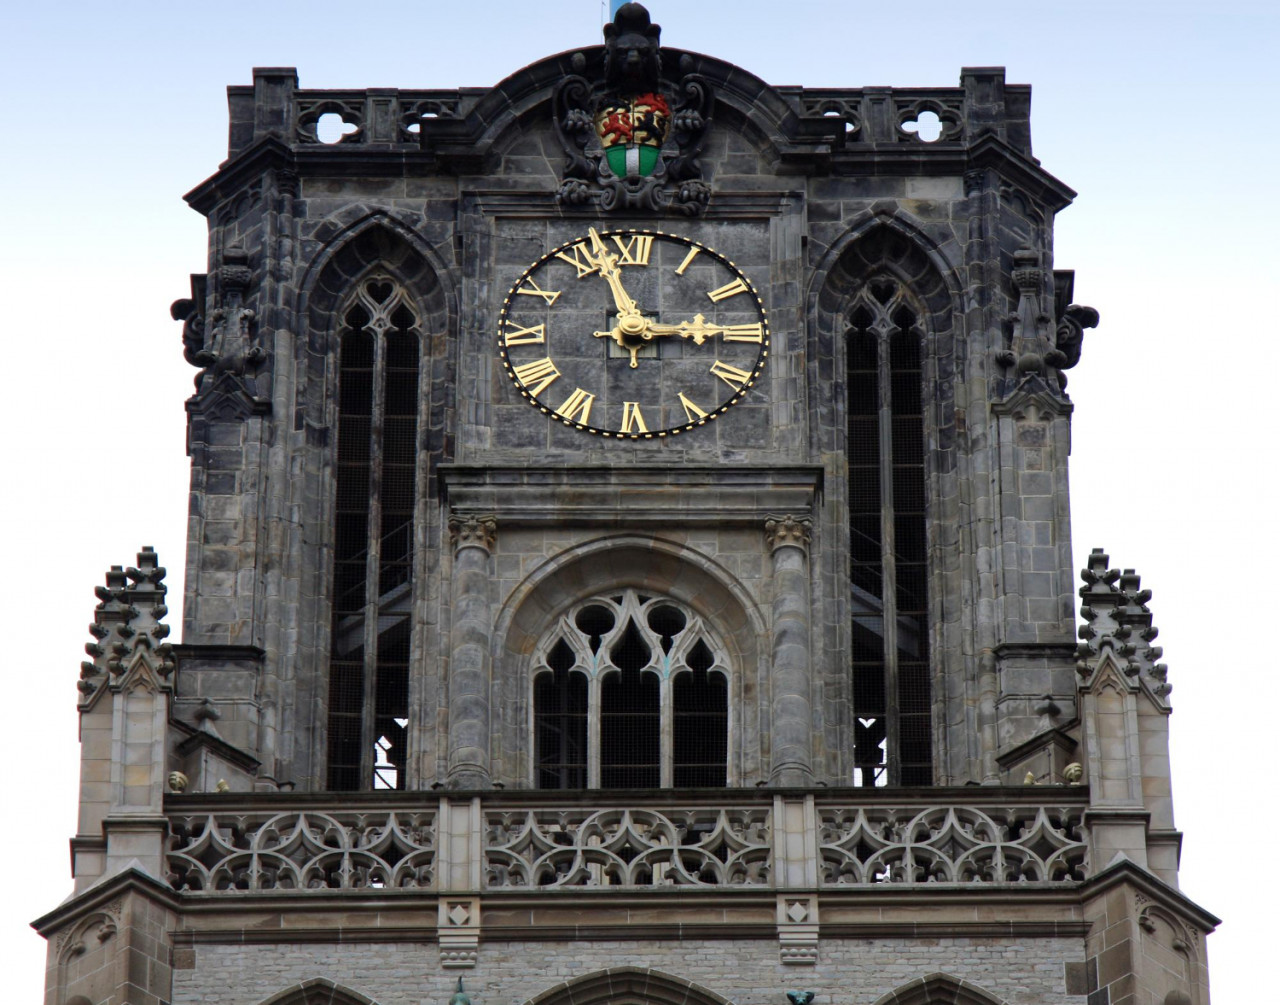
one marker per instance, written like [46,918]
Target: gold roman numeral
[533,290]
[576,407]
[538,375]
[692,412]
[636,249]
[525,336]
[743,333]
[731,375]
[580,259]
[728,290]
[632,420]
[688,260]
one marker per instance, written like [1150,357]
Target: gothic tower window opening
[888,566]
[629,692]
[376,476]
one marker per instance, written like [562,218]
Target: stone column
[469,714]
[788,539]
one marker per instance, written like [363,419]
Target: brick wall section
[1028,972]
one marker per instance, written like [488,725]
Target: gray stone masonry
[377,569]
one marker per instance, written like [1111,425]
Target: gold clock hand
[607,263]
[699,330]
[696,329]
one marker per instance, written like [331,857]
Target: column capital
[788,531]
[471,531]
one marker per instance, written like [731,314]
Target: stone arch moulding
[887,244]
[318,991]
[628,985]
[935,989]
[352,222]
[604,563]
[644,563]
[905,227]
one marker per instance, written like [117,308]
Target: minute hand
[699,330]
[607,263]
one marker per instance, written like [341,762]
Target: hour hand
[699,330]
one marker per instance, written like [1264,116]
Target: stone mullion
[888,569]
[593,730]
[373,563]
[666,730]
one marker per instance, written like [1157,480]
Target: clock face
[633,334]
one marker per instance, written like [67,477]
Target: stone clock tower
[629,561]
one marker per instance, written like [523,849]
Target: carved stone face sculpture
[177,781]
[631,49]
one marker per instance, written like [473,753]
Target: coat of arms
[629,141]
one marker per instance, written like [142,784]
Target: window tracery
[630,690]
[374,510]
[888,566]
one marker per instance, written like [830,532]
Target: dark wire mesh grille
[376,467]
[350,553]
[560,723]
[910,558]
[865,559]
[700,723]
[888,405]
[630,719]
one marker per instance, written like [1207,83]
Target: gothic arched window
[629,691]
[888,557]
[376,475]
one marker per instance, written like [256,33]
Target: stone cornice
[95,897]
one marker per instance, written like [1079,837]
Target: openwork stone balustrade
[545,841]
[302,850]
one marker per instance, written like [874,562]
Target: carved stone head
[177,781]
[1073,772]
[631,60]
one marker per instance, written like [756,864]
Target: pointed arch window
[630,691]
[888,566]
[373,540]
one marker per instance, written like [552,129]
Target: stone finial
[1073,773]
[126,621]
[788,531]
[178,782]
[1114,608]
[473,532]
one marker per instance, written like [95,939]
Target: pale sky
[1159,114]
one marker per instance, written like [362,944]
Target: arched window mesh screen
[888,557]
[608,658]
[373,538]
